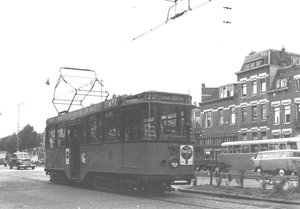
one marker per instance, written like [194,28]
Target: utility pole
[18,125]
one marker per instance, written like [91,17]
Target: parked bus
[238,154]
[281,162]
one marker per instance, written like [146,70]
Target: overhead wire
[173,18]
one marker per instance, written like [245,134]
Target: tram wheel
[281,172]
[259,171]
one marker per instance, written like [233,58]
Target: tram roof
[125,100]
[292,139]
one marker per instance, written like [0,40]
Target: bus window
[253,148]
[237,148]
[291,145]
[273,147]
[263,147]
[296,154]
[245,148]
[230,149]
[282,146]
[224,150]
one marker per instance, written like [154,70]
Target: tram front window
[165,122]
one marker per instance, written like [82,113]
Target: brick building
[264,103]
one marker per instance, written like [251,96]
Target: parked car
[21,160]
[281,162]
[3,161]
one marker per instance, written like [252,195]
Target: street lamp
[18,125]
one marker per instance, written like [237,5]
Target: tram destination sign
[166,97]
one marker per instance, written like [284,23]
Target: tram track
[187,200]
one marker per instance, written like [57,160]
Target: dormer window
[253,64]
[281,83]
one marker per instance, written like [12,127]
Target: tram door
[76,135]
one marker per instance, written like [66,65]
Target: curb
[239,196]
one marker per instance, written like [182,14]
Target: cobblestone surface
[31,189]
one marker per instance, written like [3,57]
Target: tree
[9,143]
[29,138]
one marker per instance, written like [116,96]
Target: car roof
[20,153]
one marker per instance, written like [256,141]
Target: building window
[297,84]
[244,89]
[262,85]
[254,87]
[287,113]
[254,113]
[244,114]
[208,119]
[276,115]
[226,91]
[232,115]
[263,111]
[221,117]
[263,135]
[258,63]
[244,136]
[298,114]
[276,136]
[281,83]
[254,135]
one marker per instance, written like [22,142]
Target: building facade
[264,103]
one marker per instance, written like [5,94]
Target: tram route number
[173,152]
[151,96]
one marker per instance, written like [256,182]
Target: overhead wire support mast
[175,16]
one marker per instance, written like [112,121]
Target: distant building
[264,103]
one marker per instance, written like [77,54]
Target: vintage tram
[140,141]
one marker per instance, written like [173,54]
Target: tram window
[237,148]
[52,138]
[253,148]
[112,133]
[172,120]
[93,131]
[168,124]
[68,136]
[149,131]
[245,148]
[61,137]
[291,145]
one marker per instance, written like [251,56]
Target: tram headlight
[174,162]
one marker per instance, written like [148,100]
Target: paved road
[32,189]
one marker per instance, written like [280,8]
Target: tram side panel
[142,158]
[58,159]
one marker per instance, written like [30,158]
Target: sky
[121,42]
